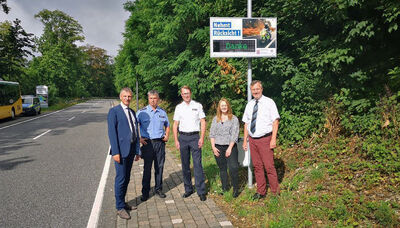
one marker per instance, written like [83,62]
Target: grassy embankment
[324,181]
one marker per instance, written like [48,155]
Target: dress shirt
[152,122]
[189,116]
[266,115]
[225,132]
[125,108]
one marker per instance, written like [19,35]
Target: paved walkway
[172,211]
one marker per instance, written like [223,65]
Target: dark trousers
[262,157]
[123,175]
[189,144]
[154,150]
[230,162]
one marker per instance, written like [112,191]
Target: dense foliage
[15,45]
[68,69]
[337,69]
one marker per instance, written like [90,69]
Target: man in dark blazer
[125,147]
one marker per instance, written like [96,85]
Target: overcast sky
[103,21]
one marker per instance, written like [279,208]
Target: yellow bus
[10,99]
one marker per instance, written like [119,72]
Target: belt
[189,133]
[266,135]
[157,139]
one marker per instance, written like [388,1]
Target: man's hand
[244,145]
[137,157]
[166,137]
[272,144]
[216,151]
[143,141]
[177,145]
[117,158]
[201,142]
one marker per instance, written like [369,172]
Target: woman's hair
[219,113]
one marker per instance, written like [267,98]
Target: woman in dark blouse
[224,134]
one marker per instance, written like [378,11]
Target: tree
[99,72]
[61,64]
[4,6]
[15,46]
[346,51]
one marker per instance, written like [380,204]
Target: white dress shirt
[125,108]
[267,113]
[189,116]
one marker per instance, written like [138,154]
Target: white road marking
[83,111]
[41,134]
[98,201]
[30,119]
[176,221]
[71,118]
[225,223]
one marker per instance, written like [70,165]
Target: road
[51,165]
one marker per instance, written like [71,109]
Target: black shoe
[129,207]
[144,198]
[160,194]
[203,197]
[258,196]
[187,194]
[236,194]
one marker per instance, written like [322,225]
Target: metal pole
[137,93]
[249,172]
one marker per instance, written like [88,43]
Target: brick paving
[172,211]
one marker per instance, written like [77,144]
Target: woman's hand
[216,151]
[228,152]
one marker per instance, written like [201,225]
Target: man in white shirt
[261,120]
[189,121]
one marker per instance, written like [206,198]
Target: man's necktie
[254,118]
[133,139]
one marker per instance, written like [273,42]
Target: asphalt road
[50,166]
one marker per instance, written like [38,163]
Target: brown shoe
[123,214]
[129,207]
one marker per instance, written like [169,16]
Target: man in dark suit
[125,147]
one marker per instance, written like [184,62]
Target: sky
[103,21]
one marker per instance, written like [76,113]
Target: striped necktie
[254,118]
[133,138]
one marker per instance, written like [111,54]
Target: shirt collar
[259,100]
[190,102]
[123,106]
[149,108]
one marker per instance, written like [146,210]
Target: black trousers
[153,151]
[189,144]
[230,162]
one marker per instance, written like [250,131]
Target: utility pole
[249,172]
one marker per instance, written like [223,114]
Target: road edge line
[51,113]
[98,201]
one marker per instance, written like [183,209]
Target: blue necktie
[254,118]
[133,139]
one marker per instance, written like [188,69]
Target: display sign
[242,37]
[42,92]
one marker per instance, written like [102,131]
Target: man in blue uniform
[154,132]
[124,141]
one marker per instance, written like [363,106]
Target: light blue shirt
[152,122]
